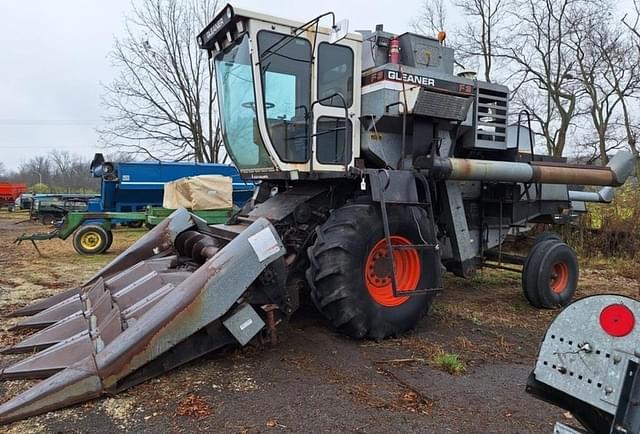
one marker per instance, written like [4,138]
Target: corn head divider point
[128,319]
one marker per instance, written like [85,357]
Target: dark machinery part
[197,246]
[154,314]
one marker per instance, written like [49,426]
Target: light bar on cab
[216,29]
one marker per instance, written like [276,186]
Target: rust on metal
[120,321]
[272,323]
[574,175]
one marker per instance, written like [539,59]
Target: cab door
[336,127]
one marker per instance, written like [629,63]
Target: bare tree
[162,104]
[69,171]
[480,32]
[432,18]
[633,23]
[61,171]
[632,127]
[63,164]
[36,170]
[607,74]
[538,47]
[119,157]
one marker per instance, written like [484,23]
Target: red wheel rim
[559,279]
[377,272]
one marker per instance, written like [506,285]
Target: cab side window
[330,135]
[335,74]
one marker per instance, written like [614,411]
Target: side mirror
[339,31]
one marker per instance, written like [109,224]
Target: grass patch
[623,267]
[450,363]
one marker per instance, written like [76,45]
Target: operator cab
[285,90]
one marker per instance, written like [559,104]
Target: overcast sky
[54,57]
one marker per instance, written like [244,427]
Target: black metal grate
[491,118]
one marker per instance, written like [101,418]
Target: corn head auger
[378,168]
[160,304]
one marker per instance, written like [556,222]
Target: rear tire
[91,240]
[109,241]
[550,274]
[344,286]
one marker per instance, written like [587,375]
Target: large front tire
[349,272]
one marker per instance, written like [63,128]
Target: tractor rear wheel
[349,272]
[109,240]
[91,240]
[550,274]
[47,219]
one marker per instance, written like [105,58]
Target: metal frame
[256,23]
[400,188]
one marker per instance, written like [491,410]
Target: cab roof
[231,19]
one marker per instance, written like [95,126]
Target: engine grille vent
[491,119]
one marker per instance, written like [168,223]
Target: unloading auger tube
[171,297]
[613,174]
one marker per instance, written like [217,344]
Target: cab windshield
[237,103]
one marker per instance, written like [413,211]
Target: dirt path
[315,379]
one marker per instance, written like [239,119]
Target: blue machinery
[132,186]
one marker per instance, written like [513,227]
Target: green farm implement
[92,231]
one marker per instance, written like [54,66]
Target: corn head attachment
[171,297]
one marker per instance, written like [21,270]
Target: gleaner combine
[379,168]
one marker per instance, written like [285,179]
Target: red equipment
[394,50]
[9,192]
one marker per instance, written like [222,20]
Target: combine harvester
[368,148]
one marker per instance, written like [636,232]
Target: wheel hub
[559,278]
[377,271]
[381,268]
[90,240]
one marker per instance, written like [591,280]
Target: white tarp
[199,193]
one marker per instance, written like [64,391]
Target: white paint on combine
[264,244]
